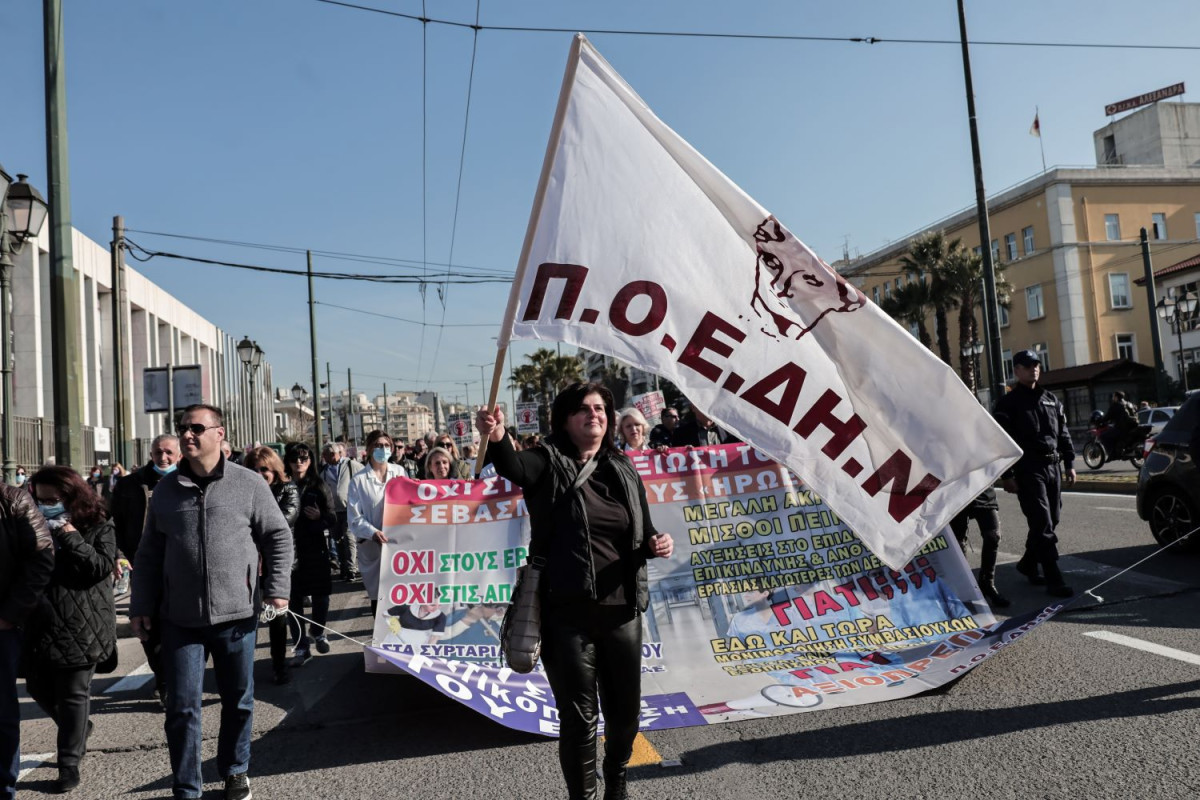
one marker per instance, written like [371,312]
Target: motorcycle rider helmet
[1097,417]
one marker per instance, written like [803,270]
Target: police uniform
[1035,419]
[985,510]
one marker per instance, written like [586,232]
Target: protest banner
[640,249]
[651,404]
[770,604]
[461,427]
[527,418]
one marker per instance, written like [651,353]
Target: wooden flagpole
[510,313]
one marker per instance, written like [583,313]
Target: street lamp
[300,395]
[483,387]
[22,214]
[250,354]
[1175,313]
[972,350]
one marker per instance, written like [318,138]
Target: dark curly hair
[85,507]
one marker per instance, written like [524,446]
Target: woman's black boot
[615,782]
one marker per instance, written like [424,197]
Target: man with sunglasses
[196,576]
[663,432]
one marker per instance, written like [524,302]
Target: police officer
[1035,419]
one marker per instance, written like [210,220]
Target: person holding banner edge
[591,522]
[1035,420]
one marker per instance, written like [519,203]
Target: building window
[887,291]
[1198,226]
[1159,220]
[995,251]
[977,250]
[1112,227]
[1010,244]
[1027,235]
[914,330]
[897,285]
[875,295]
[1007,363]
[1034,309]
[1125,346]
[1043,355]
[1002,312]
[1118,290]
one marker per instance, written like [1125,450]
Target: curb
[1108,486]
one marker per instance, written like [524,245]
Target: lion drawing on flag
[793,289]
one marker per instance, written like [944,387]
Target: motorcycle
[1096,455]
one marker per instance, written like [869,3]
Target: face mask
[381,454]
[20,480]
[163,470]
[52,512]
[96,474]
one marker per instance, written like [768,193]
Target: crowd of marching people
[293,519]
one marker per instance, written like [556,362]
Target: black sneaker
[322,645]
[237,787]
[994,598]
[301,657]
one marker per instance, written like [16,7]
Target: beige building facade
[1068,243]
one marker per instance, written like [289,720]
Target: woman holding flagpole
[591,524]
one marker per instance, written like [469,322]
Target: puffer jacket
[288,498]
[75,624]
[26,555]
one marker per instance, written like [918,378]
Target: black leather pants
[591,650]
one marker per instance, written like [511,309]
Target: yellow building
[1069,244]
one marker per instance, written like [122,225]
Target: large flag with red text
[641,249]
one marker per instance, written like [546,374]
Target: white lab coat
[364,516]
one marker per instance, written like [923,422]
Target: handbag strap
[585,472]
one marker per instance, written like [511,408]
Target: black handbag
[521,630]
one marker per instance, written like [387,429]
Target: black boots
[68,779]
[987,577]
[1029,568]
[1055,585]
[615,782]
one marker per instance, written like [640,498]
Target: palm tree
[544,376]
[926,260]
[963,277]
[911,304]
[615,377]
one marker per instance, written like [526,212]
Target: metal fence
[33,442]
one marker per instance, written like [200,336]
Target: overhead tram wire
[443,290]
[411,321]
[425,20]
[142,254]
[333,255]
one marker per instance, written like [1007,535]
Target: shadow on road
[942,728]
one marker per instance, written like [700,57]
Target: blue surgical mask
[163,470]
[52,512]
[381,454]
[21,479]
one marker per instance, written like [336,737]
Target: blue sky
[299,123]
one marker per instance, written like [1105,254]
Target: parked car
[1156,418]
[1168,492]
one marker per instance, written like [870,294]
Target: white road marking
[1098,494]
[133,681]
[30,763]
[1149,647]
[1112,508]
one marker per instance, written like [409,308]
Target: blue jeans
[10,713]
[183,656]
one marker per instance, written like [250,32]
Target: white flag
[639,248]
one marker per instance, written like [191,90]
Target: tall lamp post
[22,213]
[250,354]
[483,386]
[300,395]
[972,350]
[1176,312]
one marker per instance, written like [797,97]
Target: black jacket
[690,434]
[310,571]
[26,555]
[1035,419]
[288,498]
[128,503]
[558,523]
[75,623]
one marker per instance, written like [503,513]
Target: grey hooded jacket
[198,561]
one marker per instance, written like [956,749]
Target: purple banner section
[525,702]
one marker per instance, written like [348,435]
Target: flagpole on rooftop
[991,317]
[1037,124]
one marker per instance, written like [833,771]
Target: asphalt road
[1063,715]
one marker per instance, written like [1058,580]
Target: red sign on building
[1144,99]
